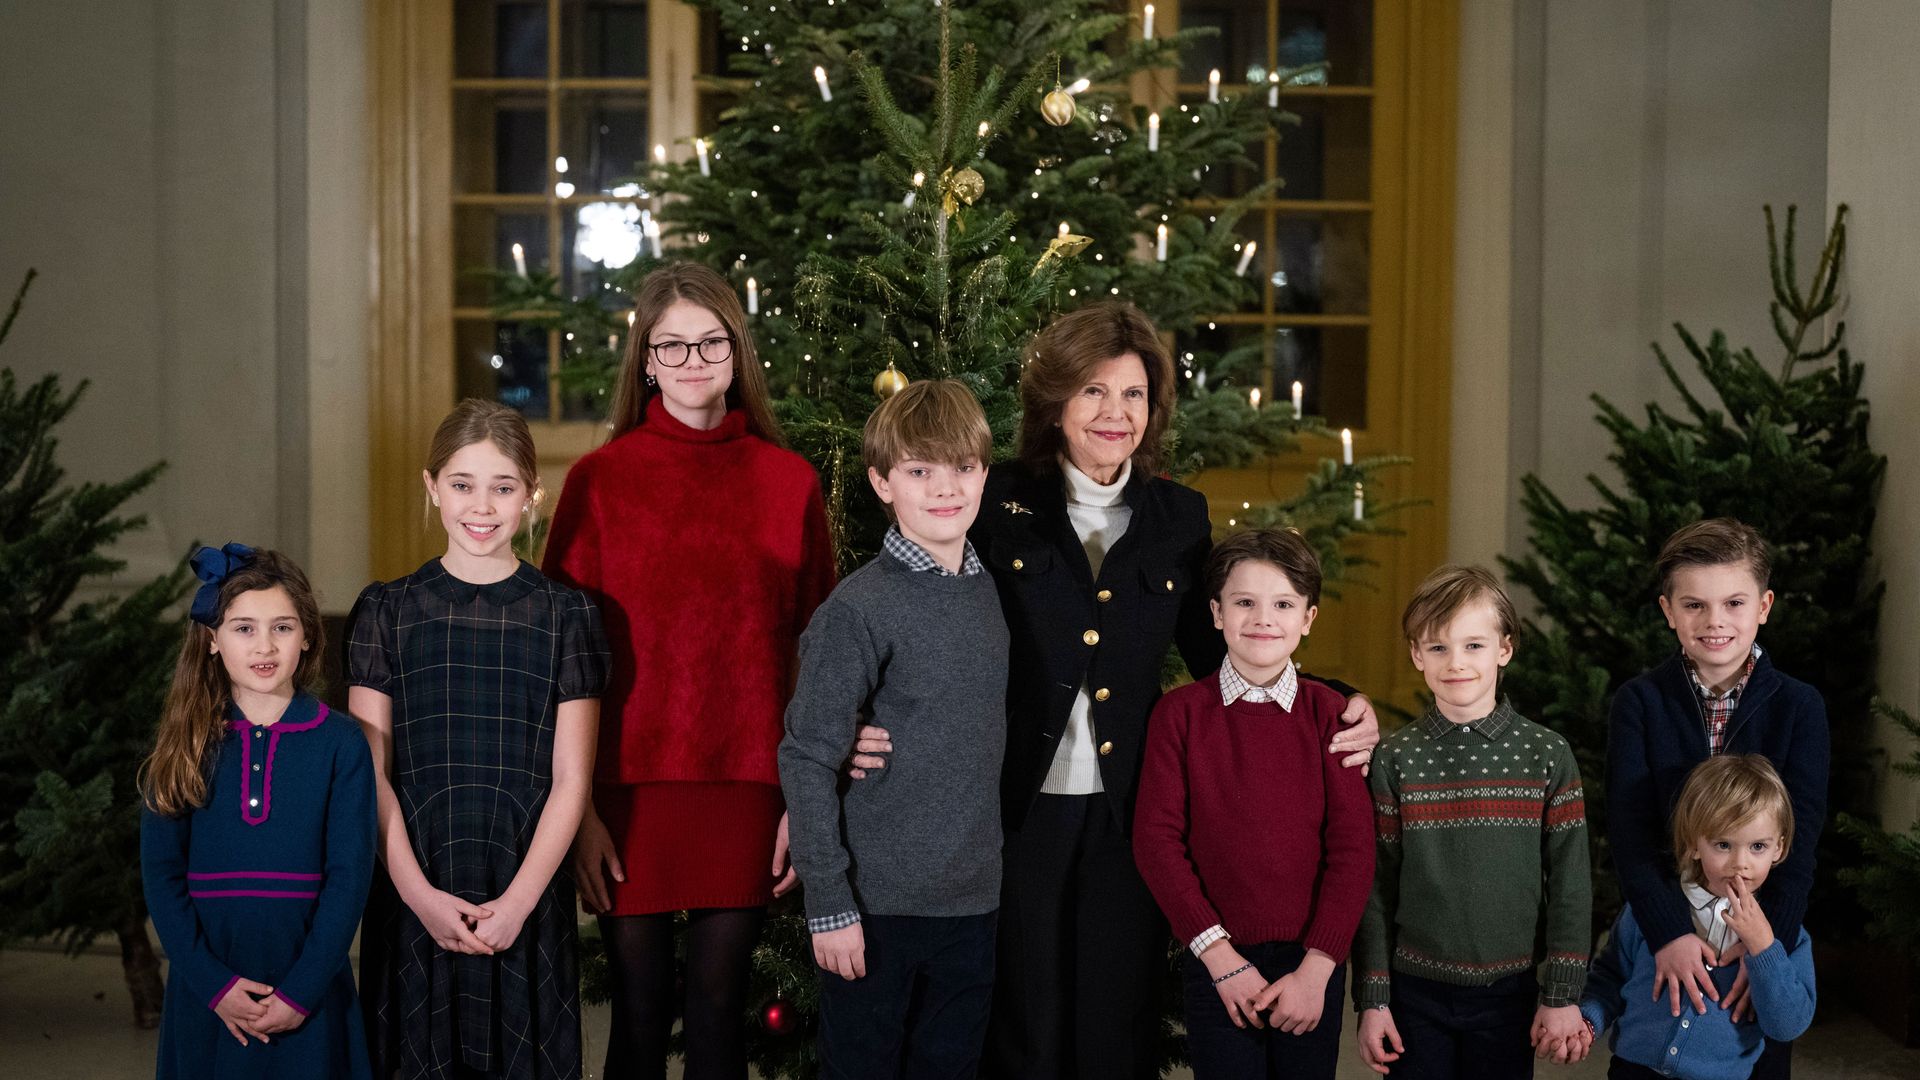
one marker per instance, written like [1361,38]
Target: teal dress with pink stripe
[267,882]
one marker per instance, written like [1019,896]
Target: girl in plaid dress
[478,680]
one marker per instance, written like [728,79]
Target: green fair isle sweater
[1481,854]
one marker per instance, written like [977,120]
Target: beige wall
[1873,158]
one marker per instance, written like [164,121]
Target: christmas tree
[83,685]
[1783,449]
[1888,877]
[917,189]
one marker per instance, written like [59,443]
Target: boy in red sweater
[1252,838]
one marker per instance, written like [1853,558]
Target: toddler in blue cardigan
[1732,826]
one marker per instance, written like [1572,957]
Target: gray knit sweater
[924,656]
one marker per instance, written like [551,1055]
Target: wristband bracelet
[1243,967]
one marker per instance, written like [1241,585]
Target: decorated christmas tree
[911,190]
[81,685]
[1783,448]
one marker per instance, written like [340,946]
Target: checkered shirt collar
[1235,687]
[1489,727]
[916,557]
[1732,696]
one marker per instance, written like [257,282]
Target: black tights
[641,960]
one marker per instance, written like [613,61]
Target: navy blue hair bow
[211,566]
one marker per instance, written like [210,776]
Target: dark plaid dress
[476,674]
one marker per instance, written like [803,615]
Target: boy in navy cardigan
[1720,694]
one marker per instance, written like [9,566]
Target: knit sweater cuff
[828,897]
[1561,982]
[1372,990]
[1191,918]
[1329,941]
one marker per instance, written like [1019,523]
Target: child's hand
[1242,985]
[450,921]
[1296,999]
[1682,964]
[500,930]
[1376,1026]
[1359,739]
[238,1009]
[868,745]
[1746,918]
[594,859]
[1560,1032]
[842,951]
[783,861]
[279,1017]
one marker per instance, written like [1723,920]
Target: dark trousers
[921,1009]
[1083,950]
[1221,1051]
[1465,1032]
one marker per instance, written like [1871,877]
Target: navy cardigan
[1656,736]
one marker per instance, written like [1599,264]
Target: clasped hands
[1293,1002]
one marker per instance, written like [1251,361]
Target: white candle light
[520,260]
[753,297]
[1346,445]
[1079,86]
[659,153]
[1160,245]
[1253,397]
[1299,398]
[700,145]
[1153,134]
[820,79]
[1063,230]
[918,179]
[1273,90]
[1359,502]
[1246,258]
[1146,26]
[1213,86]
[613,342]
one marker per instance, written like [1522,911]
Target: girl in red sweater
[1254,840]
[706,543]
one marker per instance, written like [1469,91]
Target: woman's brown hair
[697,284]
[1060,362]
[477,420]
[173,779]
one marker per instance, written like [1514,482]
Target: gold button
[1091,637]
[1102,694]
[1169,584]
[1106,748]
[1018,565]
[1103,595]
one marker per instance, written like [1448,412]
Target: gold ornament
[889,382]
[968,185]
[1064,246]
[1057,108]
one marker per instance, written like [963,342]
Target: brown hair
[173,779]
[1714,542]
[1723,793]
[1445,592]
[476,420]
[1060,362]
[1285,549]
[930,420]
[697,284]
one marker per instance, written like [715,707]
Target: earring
[436,500]
[651,381]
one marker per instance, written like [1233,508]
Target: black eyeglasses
[714,350]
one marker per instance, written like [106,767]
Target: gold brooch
[1014,508]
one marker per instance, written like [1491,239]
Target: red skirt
[688,845]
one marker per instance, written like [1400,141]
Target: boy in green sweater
[1481,855]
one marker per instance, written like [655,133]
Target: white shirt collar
[1709,917]
[1235,687]
[1084,490]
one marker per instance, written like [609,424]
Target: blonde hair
[697,284]
[1723,793]
[173,779]
[476,420]
[935,420]
[1443,593]
[1060,362]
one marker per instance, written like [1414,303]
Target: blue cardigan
[1656,736]
[1619,994]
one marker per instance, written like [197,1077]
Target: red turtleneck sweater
[707,551]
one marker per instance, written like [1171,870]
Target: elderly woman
[1098,562]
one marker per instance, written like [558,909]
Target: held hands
[501,929]
[1560,1034]
[1242,985]
[1361,735]
[1297,998]
[279,1017]
[782,864]
[594,859]
[868,745]
[450,920]
[1682,964]
[842,951]
[1380,1042]
[243,1014]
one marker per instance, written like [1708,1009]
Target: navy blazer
[1657,734]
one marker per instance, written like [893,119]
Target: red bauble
[778,1016]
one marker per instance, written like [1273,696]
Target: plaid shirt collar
[1235,687]
[1732,695]
[1488,727]
[916,557]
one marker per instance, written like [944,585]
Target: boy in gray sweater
[902,871]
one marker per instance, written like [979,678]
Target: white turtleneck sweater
[1099,517]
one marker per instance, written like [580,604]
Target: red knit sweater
[708,551]
[1245,820]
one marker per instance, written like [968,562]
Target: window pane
[603,136]
[501,39]
[1329,155]
[500,141]
[1337,31]
[1220,355]
[483,239]
[504,362]
[1320,264]
[600,238]
[1331,364]
[1238,49]
[603,39]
